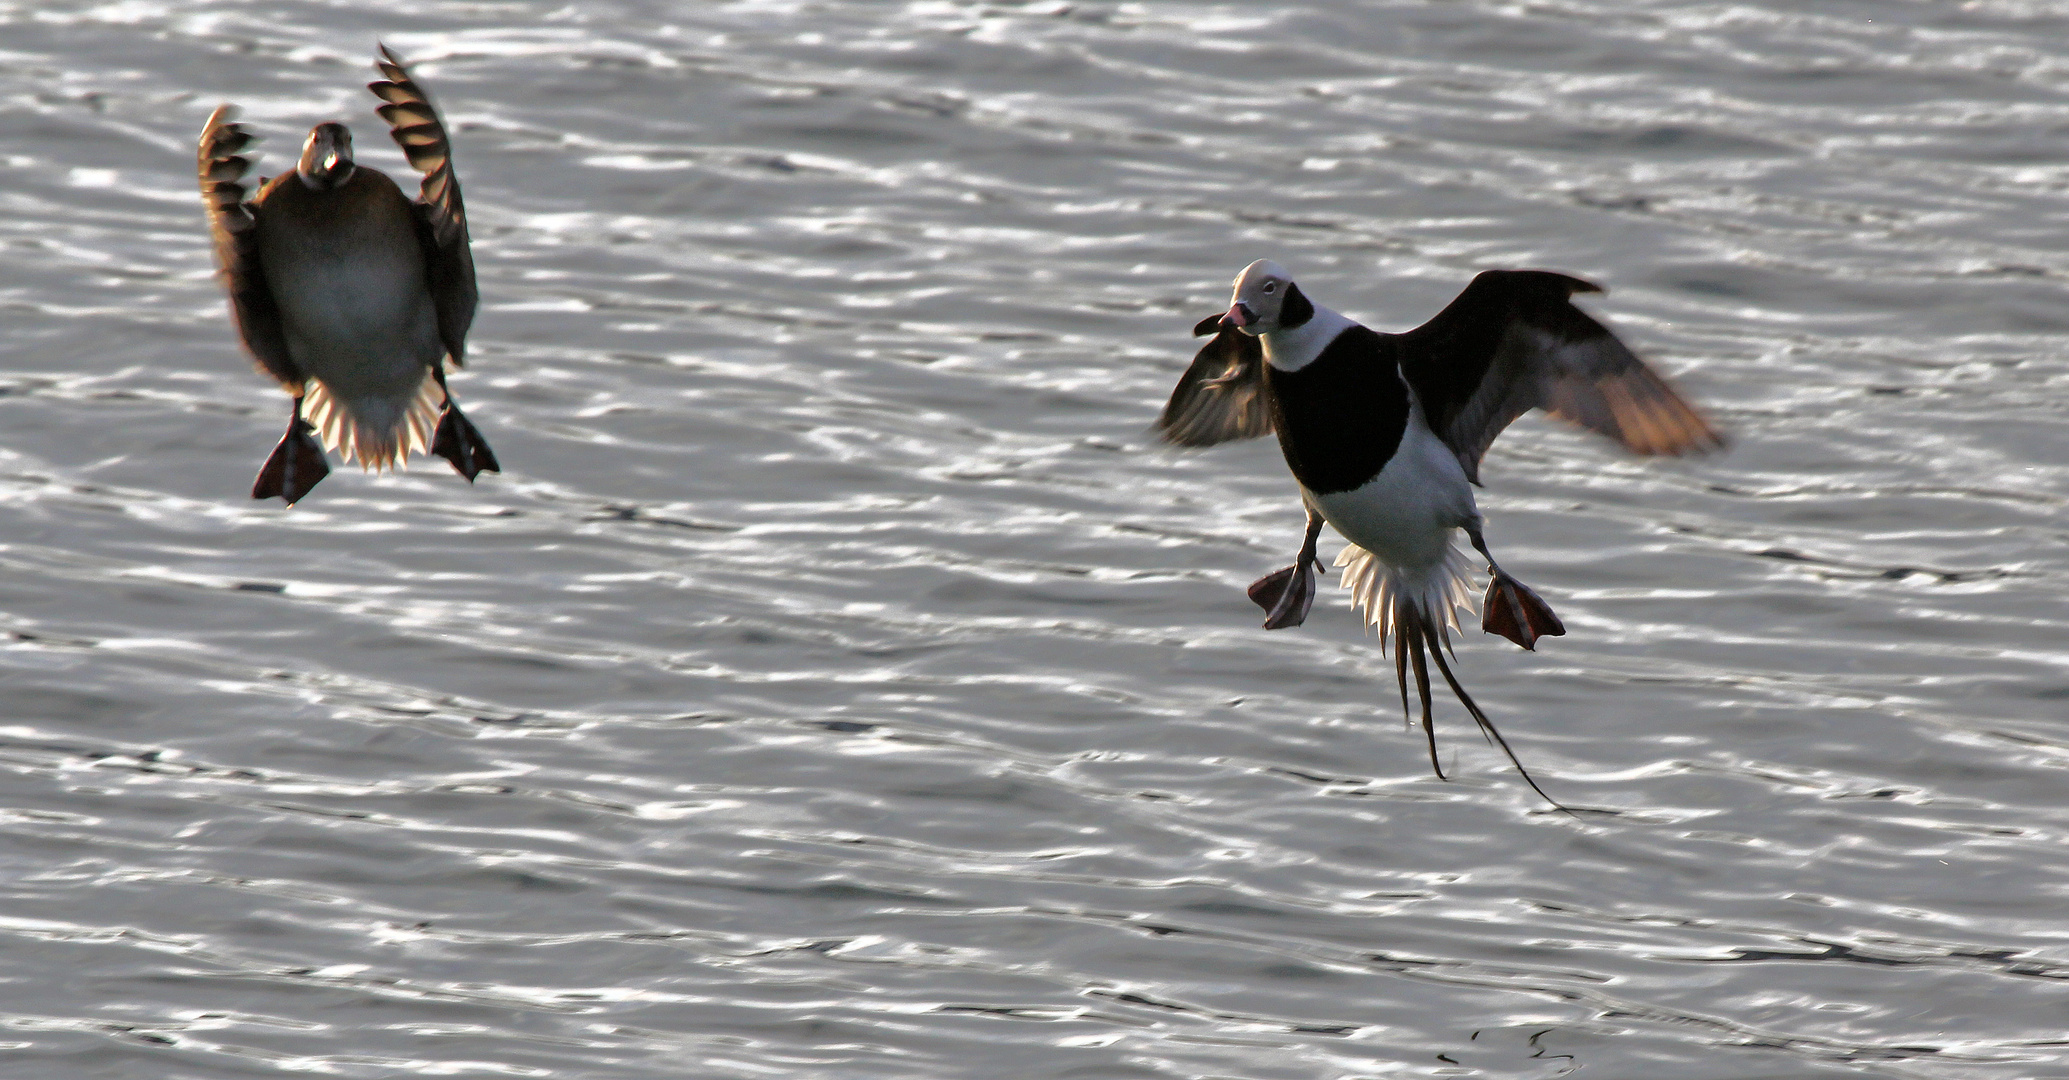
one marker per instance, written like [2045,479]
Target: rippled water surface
[842,682]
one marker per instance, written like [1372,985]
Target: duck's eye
[1271,287]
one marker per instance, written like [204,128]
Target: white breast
[1405,515]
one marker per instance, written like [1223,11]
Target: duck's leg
[1287,594]
[296,464]
[1510,607]
[458,441]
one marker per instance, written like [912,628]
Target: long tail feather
[1487,727]
[1414,640]
[1415,617]
[1401,675]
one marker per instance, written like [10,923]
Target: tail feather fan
[376,433]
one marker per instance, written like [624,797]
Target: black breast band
[1340,418]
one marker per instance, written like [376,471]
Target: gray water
[842,682]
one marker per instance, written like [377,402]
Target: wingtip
[391,67]
[1167,435]
[1710,441]
[1706,440]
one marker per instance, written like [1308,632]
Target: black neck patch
[1295,309]
[1340,418]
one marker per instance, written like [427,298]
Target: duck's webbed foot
[459,442]
[1510,607]
[1514,611]
[1287,594]
[295,465]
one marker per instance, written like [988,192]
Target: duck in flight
[351,295]
[1385,432]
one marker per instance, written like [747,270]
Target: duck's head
[327,157]
[1266,300]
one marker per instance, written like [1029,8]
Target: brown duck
[350,294]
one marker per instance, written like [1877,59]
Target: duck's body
[350,294]
[1406,515]
[1356,440]
[1384,434]
[346,272]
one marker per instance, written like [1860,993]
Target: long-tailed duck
[348,293]
[1385,432]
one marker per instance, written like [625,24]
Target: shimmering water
[841,683]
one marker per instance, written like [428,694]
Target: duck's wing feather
[441,215]
[1222,395]
[1512,342]
[232,223]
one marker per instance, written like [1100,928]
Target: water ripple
[843,683]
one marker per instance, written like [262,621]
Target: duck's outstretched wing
[1222,395]
[1512,342]
[221,166]
[441,216]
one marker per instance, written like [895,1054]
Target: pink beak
[1238,317]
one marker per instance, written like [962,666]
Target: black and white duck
[1385,432]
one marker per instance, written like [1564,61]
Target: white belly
[1405,515]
